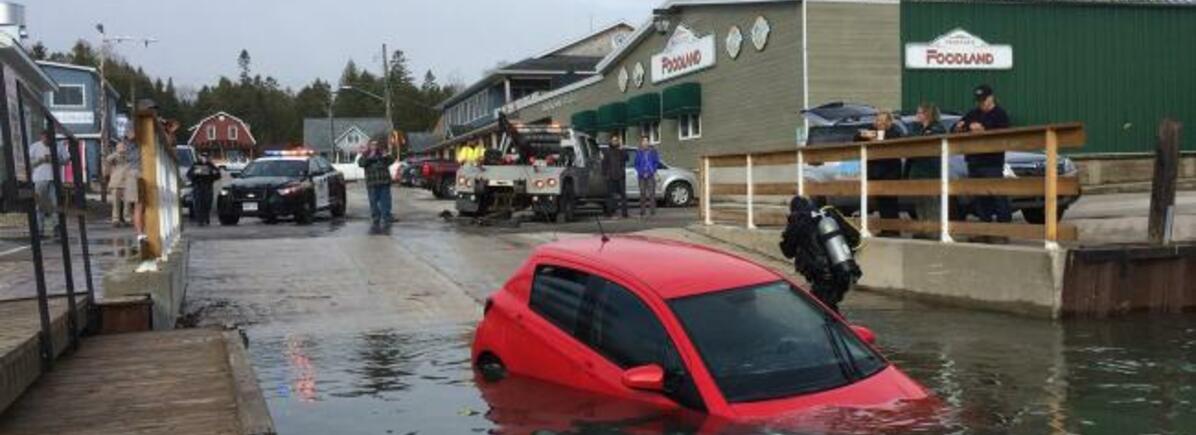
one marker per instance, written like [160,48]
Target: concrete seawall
[1016,279]
[166,286]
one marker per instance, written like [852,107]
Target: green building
[1117,66]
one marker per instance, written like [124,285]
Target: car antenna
[601,230]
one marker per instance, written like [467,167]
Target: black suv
[284,183]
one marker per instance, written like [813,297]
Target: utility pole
[332,127]
[390,119]
[104,133]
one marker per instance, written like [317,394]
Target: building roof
[13,54]
[82,68]
[671,269]
[194,129]
[420,141]
[551,62]
[315,130]
[1097,2]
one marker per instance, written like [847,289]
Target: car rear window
[770,341]
[557,294]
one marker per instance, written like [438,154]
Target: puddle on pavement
[992,373]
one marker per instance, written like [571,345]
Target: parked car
[284,183]
[837,123]
[674,185]
[679,326]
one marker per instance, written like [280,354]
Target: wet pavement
[352,332]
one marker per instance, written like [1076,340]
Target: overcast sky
[297,41]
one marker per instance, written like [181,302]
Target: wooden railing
[160,176]
[1048,138]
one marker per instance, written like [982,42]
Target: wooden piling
[1162,191]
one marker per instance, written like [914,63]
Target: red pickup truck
[440,177]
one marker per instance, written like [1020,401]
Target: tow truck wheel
[229,219]
[565,204]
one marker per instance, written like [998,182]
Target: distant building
[76,104]
[224,137]
[470,114]
[341,139]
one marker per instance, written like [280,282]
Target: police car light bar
[289,153]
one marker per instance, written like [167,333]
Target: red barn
[224,137]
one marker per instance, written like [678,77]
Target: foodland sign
[685,53]
[958,49]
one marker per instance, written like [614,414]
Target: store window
[689,126]
[652,130]
[68,96]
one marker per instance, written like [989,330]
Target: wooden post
[801,173]
[1051,208]
[1162,190]
[945,192]
[864,191]
[751,207]
[706,191]
[147,144]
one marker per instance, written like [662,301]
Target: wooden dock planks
[173,382]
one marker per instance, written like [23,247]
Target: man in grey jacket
[613,162]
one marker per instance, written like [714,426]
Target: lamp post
[105,135]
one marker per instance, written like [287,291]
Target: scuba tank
[835,241]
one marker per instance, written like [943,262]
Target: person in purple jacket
[647,161]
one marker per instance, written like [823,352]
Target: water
[993,373]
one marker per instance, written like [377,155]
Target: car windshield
[771,341]
[186,157]
[275,168]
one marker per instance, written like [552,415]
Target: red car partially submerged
[680,326]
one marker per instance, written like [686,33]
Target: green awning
[643,108]
[612,116]
[586,121]
[682,99]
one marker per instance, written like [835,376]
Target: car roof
[283,158]
[669,268]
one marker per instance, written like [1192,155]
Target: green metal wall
[1117,69]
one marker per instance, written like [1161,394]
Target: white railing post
[801,173]
[945,192]
[751,212]
[706,191]
[1051,191]
[864,191]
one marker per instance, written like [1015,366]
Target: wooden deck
[194,381]
[20,360]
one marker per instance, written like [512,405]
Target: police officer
[987,116]
[203,175]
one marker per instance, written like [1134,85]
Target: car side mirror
[647,377]
[864,333]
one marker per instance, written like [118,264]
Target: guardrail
[23,117]
[1048,138]
[160,175]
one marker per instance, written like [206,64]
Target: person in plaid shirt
[377,160]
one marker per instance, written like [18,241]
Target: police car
[283,183]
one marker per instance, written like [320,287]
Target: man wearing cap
[987,116]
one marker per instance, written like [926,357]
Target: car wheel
[491,367]
[338,208]
[448,188]
[229,219]
[679,194]
[306,214]
[566,204]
